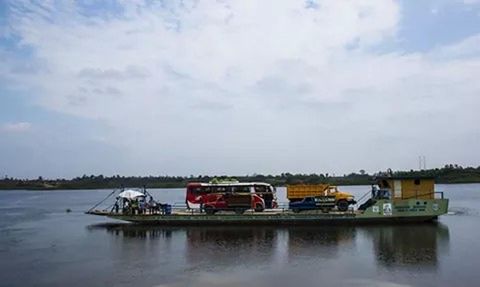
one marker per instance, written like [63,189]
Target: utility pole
[422,162]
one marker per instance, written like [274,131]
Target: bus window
[219,189]
[260,189]
[241,189]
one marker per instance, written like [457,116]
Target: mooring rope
[102,200]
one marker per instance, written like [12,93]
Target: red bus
[197,191]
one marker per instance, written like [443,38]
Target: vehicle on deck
[198,192]
[324,203]
[322,192]
[233,202]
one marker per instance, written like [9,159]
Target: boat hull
[291,219]
[382,212]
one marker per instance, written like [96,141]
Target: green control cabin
[408,187]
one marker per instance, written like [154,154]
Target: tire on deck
[209,210]
[239,210]
[342,205]
[259,207]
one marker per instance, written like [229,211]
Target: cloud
[468,48]
[130,72]
[277,85]
[18,127]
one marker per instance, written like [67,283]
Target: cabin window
[384,184]
[416,181]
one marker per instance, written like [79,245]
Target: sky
[237,87]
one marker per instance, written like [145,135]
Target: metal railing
[363,197]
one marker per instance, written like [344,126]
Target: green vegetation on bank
[447,174]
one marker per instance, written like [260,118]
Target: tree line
[451,173]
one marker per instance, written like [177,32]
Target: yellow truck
[298,192]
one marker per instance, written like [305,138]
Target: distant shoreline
[450,174]
[172,187]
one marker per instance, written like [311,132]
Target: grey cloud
[136,72]
[111,91]
[324,106]
[77,100]
[81,97]
[100,73]
[280,86]
[31,67]
[131,72]
[210,105]
[174,73]
[25,68]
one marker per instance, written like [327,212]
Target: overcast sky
[237,87]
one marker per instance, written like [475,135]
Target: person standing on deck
[152,205]
[134,206]
[140,206]
[374,190]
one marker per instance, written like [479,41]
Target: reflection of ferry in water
[412,245]
[325,240]
[230,244]
[392,200]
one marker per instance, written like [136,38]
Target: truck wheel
[209,210]
[239,210]
[259,208]
[342,205]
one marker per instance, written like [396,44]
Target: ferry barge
[391,200]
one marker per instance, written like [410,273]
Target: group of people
[139,205]
[380,193]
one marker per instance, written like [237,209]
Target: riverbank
[450,174]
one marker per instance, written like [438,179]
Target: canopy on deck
[130,194]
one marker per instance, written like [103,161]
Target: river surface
[43,245]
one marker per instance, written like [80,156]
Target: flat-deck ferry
[391,200]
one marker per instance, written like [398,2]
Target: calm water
[42,245]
